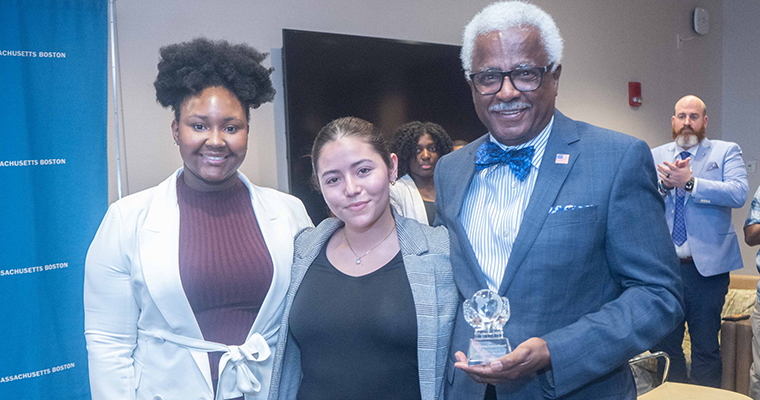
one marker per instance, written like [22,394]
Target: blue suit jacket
[599,284]
[721,179]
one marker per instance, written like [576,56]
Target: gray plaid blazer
[426,258]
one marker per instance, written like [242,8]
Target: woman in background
[419,146]
[372,298]
[179,272]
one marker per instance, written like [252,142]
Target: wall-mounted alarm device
[701,21]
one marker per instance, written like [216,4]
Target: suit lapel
[464,169]
[310,244]
[550,178]
[697,162]
[669,156]
[159,257]
[275,230]
[671,152]
[421,276]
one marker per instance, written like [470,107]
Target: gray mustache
[511,106]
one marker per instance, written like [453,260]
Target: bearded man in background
[701,180]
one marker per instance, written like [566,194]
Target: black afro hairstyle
[187,68]
[407,136]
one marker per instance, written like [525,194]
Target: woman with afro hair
[418,146]
[185,281]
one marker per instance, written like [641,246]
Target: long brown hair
[348,127]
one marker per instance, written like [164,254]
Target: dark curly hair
[407,136]
[187,68]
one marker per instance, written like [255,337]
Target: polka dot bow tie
[518,160]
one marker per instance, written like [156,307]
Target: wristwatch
[663,187]
[689,185]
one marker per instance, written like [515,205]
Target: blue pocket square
[557,209]
[713,165]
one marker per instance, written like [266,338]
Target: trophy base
[483,351]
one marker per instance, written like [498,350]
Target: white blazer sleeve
[111,311]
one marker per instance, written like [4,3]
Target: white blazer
[134,299]
[406,199]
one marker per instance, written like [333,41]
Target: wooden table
[682,391]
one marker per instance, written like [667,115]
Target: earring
[393,181]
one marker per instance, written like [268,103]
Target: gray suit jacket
[426,258]
[721,185]
[597,283]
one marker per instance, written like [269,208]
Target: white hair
[503,15]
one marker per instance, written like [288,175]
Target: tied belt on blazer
[235,375]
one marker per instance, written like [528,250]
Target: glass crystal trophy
[487,312]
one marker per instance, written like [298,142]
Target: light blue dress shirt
[494,206]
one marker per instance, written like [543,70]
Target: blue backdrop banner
[53,188]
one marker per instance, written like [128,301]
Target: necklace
[359,257]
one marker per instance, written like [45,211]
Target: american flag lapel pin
[562,159]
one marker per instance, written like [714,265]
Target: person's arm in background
[752,225]
[752,234]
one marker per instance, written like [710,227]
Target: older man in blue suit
[701,180]
[561,217]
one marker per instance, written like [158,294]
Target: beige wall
[741,99]
[607,44]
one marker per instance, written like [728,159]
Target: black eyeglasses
[522,79]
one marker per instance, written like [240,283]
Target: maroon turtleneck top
[224,264]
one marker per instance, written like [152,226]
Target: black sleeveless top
[430,211]
[357,335]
